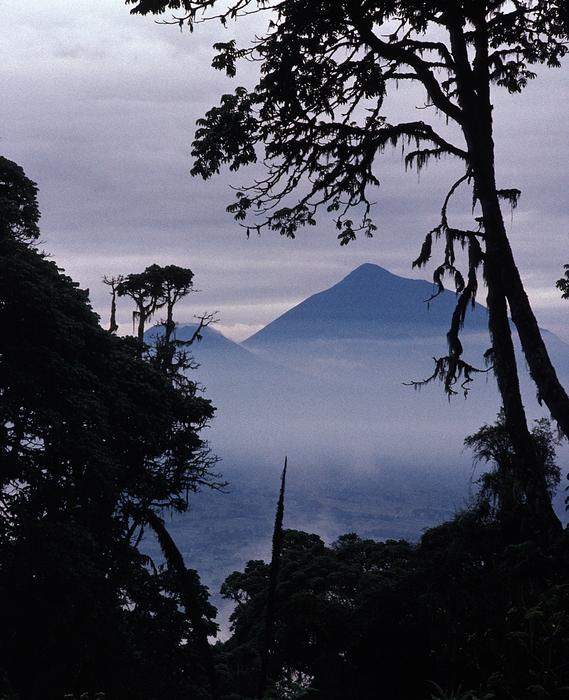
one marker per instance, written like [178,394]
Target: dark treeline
[463,614]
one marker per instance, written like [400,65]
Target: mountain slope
[370,302]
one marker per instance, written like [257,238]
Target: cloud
[99,107]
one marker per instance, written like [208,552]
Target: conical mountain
[370,302]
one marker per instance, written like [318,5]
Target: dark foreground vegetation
[100,436]
[465,609]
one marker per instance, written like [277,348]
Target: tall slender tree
[274,568]
[113,283]
[326,71]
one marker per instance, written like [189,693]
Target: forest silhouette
[101,435]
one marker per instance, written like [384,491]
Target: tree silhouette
[154,289]
[563,283]
[502,488]
[89,434]
[272,586]
[157,288]
[19,212]
[326,70]
[146,290]
[465,607]
[113,282]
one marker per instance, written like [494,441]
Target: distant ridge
[370,302]
[213,343]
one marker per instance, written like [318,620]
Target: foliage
[153,289]
[19,212]
[364,619]
[501,487]
[327,68]
[563,283]
[90,436]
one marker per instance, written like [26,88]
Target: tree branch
[395,51]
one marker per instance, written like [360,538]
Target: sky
[99,107]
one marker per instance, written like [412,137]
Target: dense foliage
[502,491]
[94,443]
[19,211]
[465,608]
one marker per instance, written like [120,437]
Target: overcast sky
[99,108]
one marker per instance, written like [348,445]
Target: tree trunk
[541,369]
[113,325]
[505,367]
[190,597]
[496,267]
[141,323]
[473,83]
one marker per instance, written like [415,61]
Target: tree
[90,435]
[501,488]
[113,283]
[272,587]
[326,70]
[563,283]
[145,289]
[357,620]
[19,212]
[153,289]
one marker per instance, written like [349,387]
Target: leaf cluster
[504,485]
[563,283]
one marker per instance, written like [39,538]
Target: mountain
[219,352]
[330,382]
[327,383]
[369,303]
[215,342]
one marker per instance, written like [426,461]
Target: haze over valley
[326,384]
